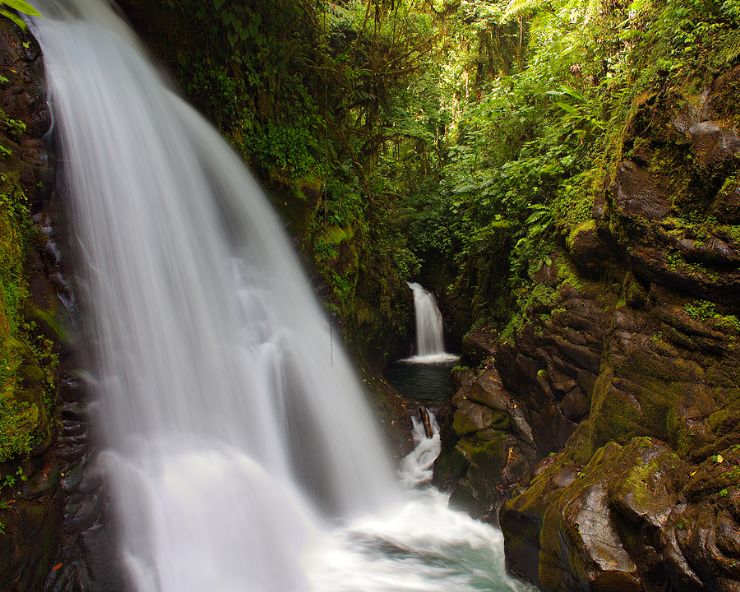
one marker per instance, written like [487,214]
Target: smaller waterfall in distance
[430,346]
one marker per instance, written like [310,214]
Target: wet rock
[492,448]
[31,509]
[574,405]
[478,345]
[588,249]
[584,514]
[548,372]
[726,205]
[471,417]
[713,142]
[488,390]
[641,193]
[636,336]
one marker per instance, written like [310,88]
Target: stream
[237,443]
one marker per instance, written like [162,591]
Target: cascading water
[430,345]
[239,447]
[418,467]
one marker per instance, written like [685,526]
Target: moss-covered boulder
[597,526]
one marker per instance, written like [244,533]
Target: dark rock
[713,143]
[726,205]
[641,193]
[593,372]
[583,517]
[471,417]
[492,448]
[478,345]
[574,405]
[488,390]
[588,250]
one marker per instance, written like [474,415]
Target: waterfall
[213,357]
[430,346]
[238,444]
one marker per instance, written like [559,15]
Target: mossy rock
[472,417]
[585,515]
[450,466]
[478,492]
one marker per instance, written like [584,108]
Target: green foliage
[27,358]
[700,309]
[11,8]
[468,137]
[703,310]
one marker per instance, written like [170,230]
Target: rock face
[31,506]
[604,434]
[495,449]
[52,510]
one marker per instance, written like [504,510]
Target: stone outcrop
[52,509]
[495,449]
[31,507]
[603,434]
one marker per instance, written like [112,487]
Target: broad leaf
[14,17]
[21,6]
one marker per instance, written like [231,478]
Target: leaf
[571,92]
[21,6]
[217,4]
[566,107]
[15,18]
[537,216]
[516,7]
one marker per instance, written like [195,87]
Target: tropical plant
[10,9]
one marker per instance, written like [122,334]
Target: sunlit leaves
[19,6]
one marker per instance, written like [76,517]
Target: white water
[417,468]
[430,345]
[241,454]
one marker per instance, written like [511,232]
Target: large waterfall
[239,448]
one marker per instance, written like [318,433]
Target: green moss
[478,451]
[700,309]
[450,466]
[637,480]
[726,420]
[462,425]
[501,421]
[27,359]
[49,319]
[19,423]
[568,274]
[704,310]
[588,225]
[657,385]
[575,199]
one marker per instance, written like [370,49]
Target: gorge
[237,445]
[178,409]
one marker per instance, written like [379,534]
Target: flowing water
[239,448]
[430,345]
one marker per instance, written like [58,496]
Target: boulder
[598,525]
